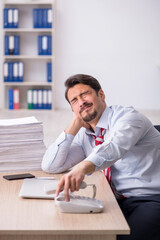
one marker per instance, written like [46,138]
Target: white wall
[116,41]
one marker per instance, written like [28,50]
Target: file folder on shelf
[29,99]
[49,45]
[6,72]
[35,18]
[10,71]
[49,72]
[16,44]
[40,99]
[42,18]
[49,20]
[11,17]
[10,98]
[44,45]
[15,18]
[45,99]
[20,71]
[6,45]
[11,45]
[35,99]
[13,71]
[5,18]
[15,99]
[49,103]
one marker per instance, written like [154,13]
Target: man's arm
[76,125]
[73,179]
[65,152]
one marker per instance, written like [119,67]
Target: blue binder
[35,99]
[49,98]
[45,18]
[44,45]
[10,68]
[11,45]
[10,98]
[49,45]
[40,18]
[49,72]
[6,45]
[10,17]
[49,18]
[5,17]
[20,71]
[15,17]
[40,99]
[5,72]
[16,45]
[40,45]
[35,18]
[15,72]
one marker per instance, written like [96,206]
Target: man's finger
[72,185]
[66,189]
[78,185]
[60,186]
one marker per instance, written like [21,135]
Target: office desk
[38,219]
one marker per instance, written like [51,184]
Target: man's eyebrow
[73,99]
[84,92]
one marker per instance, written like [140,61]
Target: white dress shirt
[131,148]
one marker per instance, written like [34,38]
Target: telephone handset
[51,187]
[77,204]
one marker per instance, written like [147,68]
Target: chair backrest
[157,127]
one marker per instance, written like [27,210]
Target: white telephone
[77,204]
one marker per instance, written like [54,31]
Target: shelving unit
[35,66]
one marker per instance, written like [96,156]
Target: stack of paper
[21,144]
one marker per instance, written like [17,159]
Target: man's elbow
[49,169]
[45,167]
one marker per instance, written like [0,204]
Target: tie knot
[100,138]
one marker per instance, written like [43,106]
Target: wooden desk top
[43,217]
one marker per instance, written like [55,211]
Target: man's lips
[85,106]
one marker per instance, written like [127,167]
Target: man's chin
[89,117]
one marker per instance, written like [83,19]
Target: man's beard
[90,116]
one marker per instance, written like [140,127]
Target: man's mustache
[85,104]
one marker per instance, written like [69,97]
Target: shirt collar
[103,121]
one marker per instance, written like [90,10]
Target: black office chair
[157,127]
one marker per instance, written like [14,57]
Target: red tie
[100,140]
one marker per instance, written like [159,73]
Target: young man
[118,139]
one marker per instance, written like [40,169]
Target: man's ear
[101,94]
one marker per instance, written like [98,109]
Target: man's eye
[74,101]
[85,94]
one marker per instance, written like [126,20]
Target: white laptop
[35,188]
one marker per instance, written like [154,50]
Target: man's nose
[81,102]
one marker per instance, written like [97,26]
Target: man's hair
[83,79]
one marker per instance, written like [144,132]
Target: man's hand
[73,179]
[75,125]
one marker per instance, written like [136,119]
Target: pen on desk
[46,178]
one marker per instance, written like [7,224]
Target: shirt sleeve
[125,133]
[62,154]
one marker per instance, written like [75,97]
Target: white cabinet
[35,73]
